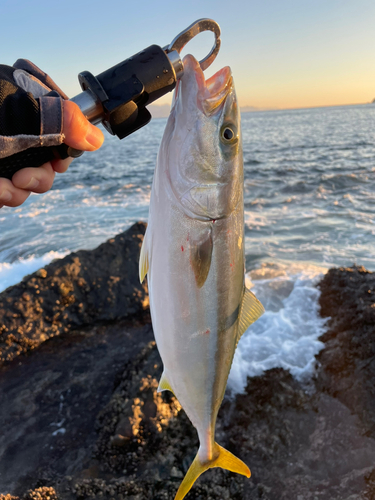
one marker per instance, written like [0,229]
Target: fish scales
[193,254]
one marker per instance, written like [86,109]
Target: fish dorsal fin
[143,259]
[164,385]
[251,309]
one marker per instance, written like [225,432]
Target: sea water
[309,205]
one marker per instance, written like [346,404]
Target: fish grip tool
[118,97]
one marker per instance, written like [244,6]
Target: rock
[83,288]
[141,414]
[123,440]
[348,359]
[298,442]
[43,493]
[294,441]
[50,401]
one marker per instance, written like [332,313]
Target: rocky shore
[81,418]
[84,288]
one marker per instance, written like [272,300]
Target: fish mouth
[211,93]
[218,87]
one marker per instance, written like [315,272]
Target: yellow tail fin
[224,459]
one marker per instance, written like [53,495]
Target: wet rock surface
[84,288]
[43,493]
[348,297]
[81,418]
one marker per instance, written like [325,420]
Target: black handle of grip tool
[122,92]
[35,157]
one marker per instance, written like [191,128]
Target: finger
[80,133]
[11,196]
[37,180]
[61,166]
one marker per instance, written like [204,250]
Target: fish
[193,255]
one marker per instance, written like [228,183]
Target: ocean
[309,205]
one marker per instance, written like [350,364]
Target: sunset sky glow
[283,53]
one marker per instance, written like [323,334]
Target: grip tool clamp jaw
[118,97]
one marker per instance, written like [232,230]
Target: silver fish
[193,254]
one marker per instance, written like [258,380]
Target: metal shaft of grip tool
[118,97]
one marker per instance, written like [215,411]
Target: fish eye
[228,134]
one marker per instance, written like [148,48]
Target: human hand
[79,134]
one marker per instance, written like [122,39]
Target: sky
[283,53]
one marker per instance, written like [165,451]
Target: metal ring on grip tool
[179,42]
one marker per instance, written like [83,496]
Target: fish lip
[211,93]
[221,82]
[217,88]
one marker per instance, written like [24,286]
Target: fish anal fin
[164,385]
[251,309]
[144,259]
[200,254]
[223,458]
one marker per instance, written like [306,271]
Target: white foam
[287,334]
[10,274]
[59,431]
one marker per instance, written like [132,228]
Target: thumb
[79,132]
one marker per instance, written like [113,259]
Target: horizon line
[253,109]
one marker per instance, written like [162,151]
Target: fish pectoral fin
[251,309]
[223,458]
[143,259]
[164,385]
[201,246]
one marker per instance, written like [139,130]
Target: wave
[252,162]
[287,334]
[10,274]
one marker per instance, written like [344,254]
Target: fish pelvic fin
[164,384]
[251,310]
[223,458]
[143,259]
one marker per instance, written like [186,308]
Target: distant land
[245,109]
